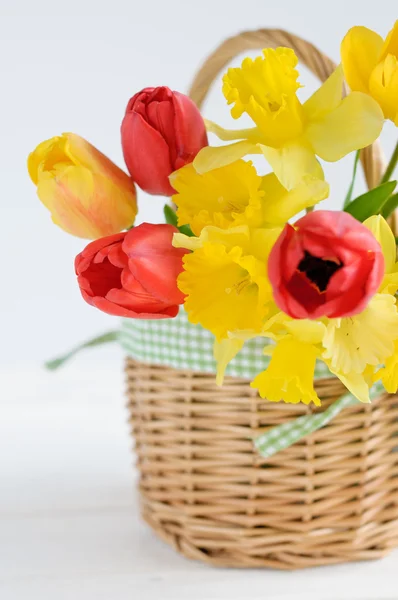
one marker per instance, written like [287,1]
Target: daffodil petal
[224,351]
[214,157]
[230,238]
[360,52]
[180,240]
[352,343]
[383,234]
[251,134]
[222,295]
[390,282]
[356,384]
[306,330]
[292,162]
[280,205]
[290,374]
[327,97]
[354,124]
[389,373]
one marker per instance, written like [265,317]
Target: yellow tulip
[371,66]
[86,193]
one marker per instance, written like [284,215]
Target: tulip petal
[119,311]
[190,131]
[86,205]
[292,162]
[82,153]
[354,124]
[214,157]
[38,156]
[360,52]
[390,45]
[327,97]
[383,234]
[135,298]
[154,262]
[384,87]
[147,155]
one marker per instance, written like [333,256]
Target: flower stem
[391,165]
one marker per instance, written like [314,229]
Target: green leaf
[170,215]
[171,218]
[111,336]
[354,174]
[186,230]
[372,202]
[390,206]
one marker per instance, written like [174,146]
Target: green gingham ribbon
[179,344]
[282,436]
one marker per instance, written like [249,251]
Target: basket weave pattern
[330,498]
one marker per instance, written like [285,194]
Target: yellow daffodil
[352,343]
[371,66]
[290,374]
[85,192]
[383,234]
[225,197]
[289,134]
[389,373]
[235,195]
[225,278]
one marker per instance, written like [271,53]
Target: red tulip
[161,132]
[133,274]
[326,264]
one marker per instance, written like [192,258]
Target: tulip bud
[133,274]
[326,264]
[161,132]
[86,193]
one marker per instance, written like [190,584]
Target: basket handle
[372,157]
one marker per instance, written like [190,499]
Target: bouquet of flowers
[245,254]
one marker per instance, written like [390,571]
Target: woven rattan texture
[204,489]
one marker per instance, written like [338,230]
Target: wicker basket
[330,498]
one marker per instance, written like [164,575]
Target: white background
[67,529]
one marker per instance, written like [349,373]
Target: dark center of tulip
[318,270]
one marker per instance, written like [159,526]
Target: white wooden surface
[69,523]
